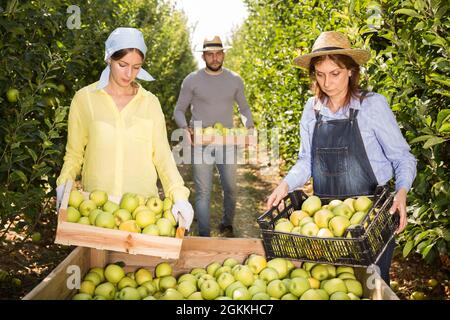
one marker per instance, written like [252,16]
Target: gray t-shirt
[211,98]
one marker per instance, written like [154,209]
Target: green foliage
[409,64]
[48,62]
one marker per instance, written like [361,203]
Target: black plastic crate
[368,239]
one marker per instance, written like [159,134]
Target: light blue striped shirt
[387,150]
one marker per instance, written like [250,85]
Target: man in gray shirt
[210,93]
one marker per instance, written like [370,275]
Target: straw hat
[213,44]
[332,42]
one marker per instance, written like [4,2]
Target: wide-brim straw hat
[332,42]
[213,44]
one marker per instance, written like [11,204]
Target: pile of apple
[220,130]
[325,221]
[134,213]
[256,279]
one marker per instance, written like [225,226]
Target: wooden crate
[69,233]
[196,252]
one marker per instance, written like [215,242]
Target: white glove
[183,213]
[59,196]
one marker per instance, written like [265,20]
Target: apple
[150,287]
[231,262]
[93,215]
[308,265]
[167,282]
[362,203]
[165,227]
[105,220]
[229,290]
[169,216]
[106,290]
[110,207]
[310,229]
[311,205]
[145,218]
[198,272]
[129,202]
[299,272]
[221,270]
[354,286]
[129,293]
[256,263]
[343,210]
[296,216]
[99,197]
[346,275]
[260,283]
[280,265]
[203,277]
[245,275]
[195,296]
[325,233]
[268,274]
[73,215]
[142,275]
[99,271]
[143,292]
[305,221]
[12,95]
[432,283]
[94,277]
[212,267]
[163,269]
[86,207]
[210,289]
[417,295]
[114,273]
[188,277]
[285,226]
[289,296]
[323,217]
[334,203]
[343,269]
[357,217]
[36,237]
[349,202]
[338,225]
[87,287]
[276,288]
[256,289]
[209,131]
[82,296]
[331,271]
[167,204]
[314,283]
[151,229]
[320,272]
[261,296]
[299,285]
[130,226]
[297,230]
[335,285]
[241,293]
[84,220]
[126,282]
[75,198]
[312,294]
[121,215]
[155,204]
[186,288]
[139,208]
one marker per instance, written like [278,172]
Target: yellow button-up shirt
[120,151]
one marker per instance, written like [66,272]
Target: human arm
[244,108]
[183,102]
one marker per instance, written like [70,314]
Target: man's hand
[277,195]
[399,205]
[188,134]
[183,213]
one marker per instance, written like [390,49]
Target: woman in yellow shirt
[117,134]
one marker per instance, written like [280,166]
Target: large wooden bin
[196,252]
[69,233]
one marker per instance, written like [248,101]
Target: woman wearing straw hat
[117,134]
[350,140]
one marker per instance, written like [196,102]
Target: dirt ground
[28,263]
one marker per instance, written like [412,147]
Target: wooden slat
[54,286]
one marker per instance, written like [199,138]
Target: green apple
[221,270]
[87,287]
[314,283]
[138,209]
[212,267]
[142,275]
[349,202]
[308,265]
[86,207]
[297,230]
[323,293]
[84,220]
[155,204]
[342,269]
[346,275]
[195,296]
[165,227]
[229,290]
[210,289]
[335,285]
[298,286]
[310,229]
[209,131]
[99,271]
[12,95]
[285,226]
[130,275]
[331,271]
[312,294]
[145,218]
[362,203]
[231,262]
[338,225]
[352,296]
[245,275]
[338,295]
[261,296]
[296,216]
[343,210]
[167,204]
[75,198]
[260,283]
[325,233]
[323,217]
[36,237]
[299,272]
[320,272]
[311,205]
[186,288]
[150,287]
[163,269]
[198,271]
[305,220]
[354,286]
[151,229]
[289,296]
[130,226]
[121,215]
[114,273]
[167,282]
[417,295]
[334,203]
[241,293]
[105,220]
[73,215]
[93,215]
[129,293]
[106,290]
[169,216]
[141,199]
[129,202]
[188,277]
[143,292]
[99,197]
[280,265]
[82,296]
[268,274]
[256,263]
[203,277]
[126,282]
[357,217]
[94,277]
[276,288]
[256,289]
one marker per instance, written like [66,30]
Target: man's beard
[214,69]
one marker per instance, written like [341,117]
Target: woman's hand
[399,205]
[277,195]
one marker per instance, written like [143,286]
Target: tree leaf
[408,247]
[433,141]
[409,12]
